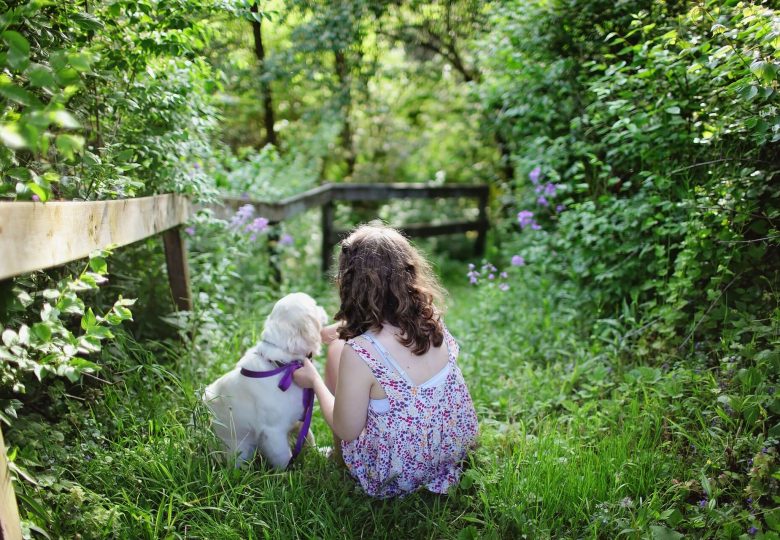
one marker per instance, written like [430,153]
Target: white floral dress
[422,440]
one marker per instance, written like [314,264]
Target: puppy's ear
[304,337]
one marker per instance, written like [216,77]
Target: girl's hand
[330,333]
[306,376]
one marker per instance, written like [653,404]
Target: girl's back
[420,428]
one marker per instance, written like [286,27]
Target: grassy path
[572,446]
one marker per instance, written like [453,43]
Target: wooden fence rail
[326,195]
[37,236]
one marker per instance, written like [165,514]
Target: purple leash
[284,384]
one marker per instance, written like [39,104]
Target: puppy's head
[294,325]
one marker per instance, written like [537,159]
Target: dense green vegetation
[621,339]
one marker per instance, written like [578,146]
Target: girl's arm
[353,391]
[345,412]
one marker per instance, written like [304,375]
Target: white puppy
[253,413]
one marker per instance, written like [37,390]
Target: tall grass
[575,443]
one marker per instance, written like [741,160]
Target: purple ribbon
[284,384]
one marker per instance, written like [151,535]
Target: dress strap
[388,359]
[452,346]
[384,374]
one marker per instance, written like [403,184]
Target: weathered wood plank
[35,236]
[381,192]
[178,269]
[424,230]
[10,527]
[279,211]
[292,206]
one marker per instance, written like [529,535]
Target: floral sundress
[422,440]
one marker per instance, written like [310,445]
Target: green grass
[575,443]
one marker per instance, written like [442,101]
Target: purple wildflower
[190,230]
[518,260]
[550,189]
[535,226]
[36,198]
[472,275]
[525,218]
[560,208]
[703,502]
[535,174]
[752,531]
[503,275]
[196,165]
[257,226]
[491,276]
[243,215]
[542,201]
[286,240]
[503,286]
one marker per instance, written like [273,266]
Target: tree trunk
[265,85]
[342,71]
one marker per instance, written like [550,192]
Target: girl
[393,393]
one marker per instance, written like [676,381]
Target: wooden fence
[37,236]
[326,195]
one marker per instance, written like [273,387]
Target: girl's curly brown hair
[382,278]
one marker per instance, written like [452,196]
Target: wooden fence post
[178,270]
[10,527]
[327,235]
[273,255]
[479,244]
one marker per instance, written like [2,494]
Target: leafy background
[620,338]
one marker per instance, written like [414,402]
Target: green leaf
[69,145]
[64,119]
[80,62]
[88,320]
[765,71]
[9,135]
[42,193]
[10,338]
[16,41]
[41,76]
[98,264]
[42,332]
[661,532]
[772,518]
[17,94]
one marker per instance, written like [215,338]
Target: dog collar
[284,384]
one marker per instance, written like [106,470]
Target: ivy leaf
[16,41]
[9,135]
[41,76]
[17,94]
[88,321]
[98,264]
[10,338]
[42,332]
[18,49]
[765,71]
[660,532]
[42,193]
[69,145]
[64,119]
